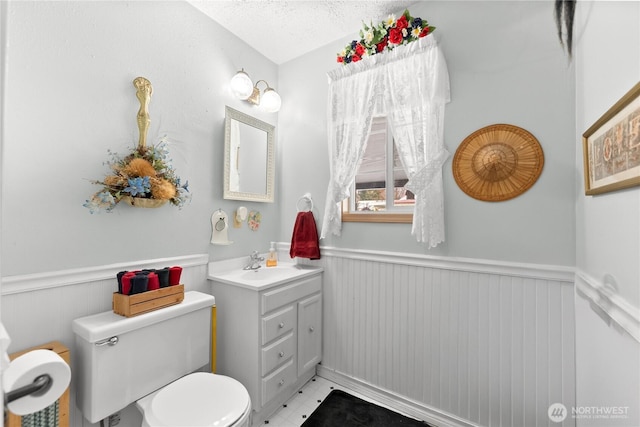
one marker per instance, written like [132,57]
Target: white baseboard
[401,404]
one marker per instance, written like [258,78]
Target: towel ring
[308,203]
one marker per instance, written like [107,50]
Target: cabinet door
[309,333]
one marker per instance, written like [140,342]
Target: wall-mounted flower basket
[140,202]
[143,178]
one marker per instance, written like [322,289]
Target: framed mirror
[249,158]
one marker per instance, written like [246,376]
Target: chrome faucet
[254,261]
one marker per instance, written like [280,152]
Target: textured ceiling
[282,30]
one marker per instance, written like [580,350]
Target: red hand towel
[304,242]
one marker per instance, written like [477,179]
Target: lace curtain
[409,85]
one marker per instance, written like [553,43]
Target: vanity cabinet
[269,336]
[309,324]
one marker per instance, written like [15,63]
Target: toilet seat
[198,399]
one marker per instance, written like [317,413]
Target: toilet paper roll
[25,369]
[4,345]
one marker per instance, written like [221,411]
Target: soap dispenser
[272,258]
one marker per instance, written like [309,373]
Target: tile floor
[296,410]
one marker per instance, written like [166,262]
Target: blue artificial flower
[99,201]
[161,150]
[106,197]
[417,22]
[138,186]
[92,206]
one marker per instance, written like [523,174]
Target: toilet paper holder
[38,387]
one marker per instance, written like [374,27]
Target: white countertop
[262,278]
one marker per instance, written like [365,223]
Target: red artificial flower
[424,32]
[395,35]
[355,58]
[402,23]
[340,59]
[382,44]
[359,49]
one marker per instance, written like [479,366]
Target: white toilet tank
[152,350]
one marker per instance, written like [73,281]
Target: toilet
[155,360]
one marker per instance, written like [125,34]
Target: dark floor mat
[341,409]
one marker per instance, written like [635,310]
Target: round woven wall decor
[498,162]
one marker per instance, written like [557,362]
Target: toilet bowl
[200,399]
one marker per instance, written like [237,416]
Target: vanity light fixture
[269,100]
[243,88]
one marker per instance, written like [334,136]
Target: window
[378,194]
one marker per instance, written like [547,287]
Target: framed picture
[611,147]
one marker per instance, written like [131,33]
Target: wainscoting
[451,341]
[455,342]
[41,307]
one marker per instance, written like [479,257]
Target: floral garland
[145,173]
[386,35]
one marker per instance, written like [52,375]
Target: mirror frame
[231,114]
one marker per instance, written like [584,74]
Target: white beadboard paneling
[458,342]
[40,308]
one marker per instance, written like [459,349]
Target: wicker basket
[134,305]
[140,202]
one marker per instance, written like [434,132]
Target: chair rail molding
[475,265]
[54,279]
[610,306]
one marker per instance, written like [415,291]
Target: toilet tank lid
[104,325]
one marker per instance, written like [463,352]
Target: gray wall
[69,98]
[607,225]
[506,66]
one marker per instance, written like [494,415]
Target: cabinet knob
[310,328]
[281,382]
[281,325]
[281,354]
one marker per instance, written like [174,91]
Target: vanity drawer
[289,293]
[277,381]
[278,324]
[277,353]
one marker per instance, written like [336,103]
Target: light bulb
[241,85]
[270,101]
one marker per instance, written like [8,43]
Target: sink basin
[267,273]
[264,277]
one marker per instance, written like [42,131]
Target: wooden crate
[133,305]
[13,420]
